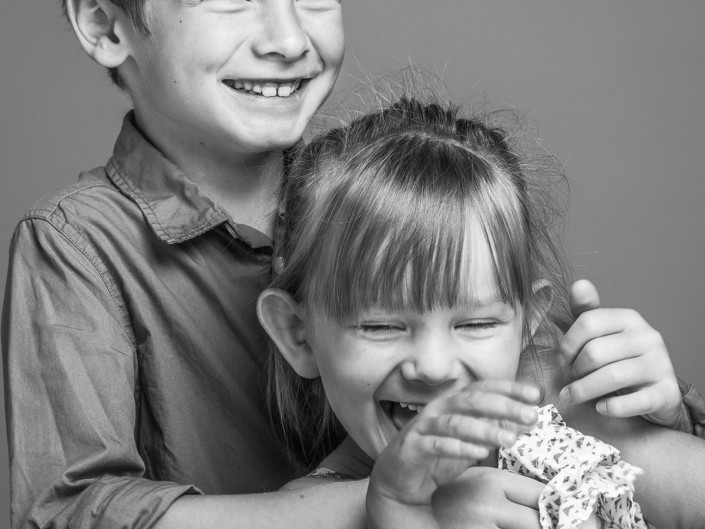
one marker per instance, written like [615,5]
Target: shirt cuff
[112,502]
[694,409]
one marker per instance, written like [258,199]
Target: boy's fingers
[602,351]
[595,324]
[638,403]
[583,297]
[658,398]
[604,381]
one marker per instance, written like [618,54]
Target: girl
[418,263]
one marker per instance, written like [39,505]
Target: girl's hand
[617,355]
[451,434]
[488,498]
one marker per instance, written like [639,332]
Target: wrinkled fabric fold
[582,475]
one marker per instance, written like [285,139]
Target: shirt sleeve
[694,404]
[70,383]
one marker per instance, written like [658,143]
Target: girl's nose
[282,33]
[432,364]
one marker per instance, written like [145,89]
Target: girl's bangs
[403,235]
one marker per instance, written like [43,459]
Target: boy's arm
[70,386]
[670,490]
[334,505]
[71,406]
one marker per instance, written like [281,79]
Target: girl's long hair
[378,213]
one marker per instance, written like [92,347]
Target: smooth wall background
[616,87]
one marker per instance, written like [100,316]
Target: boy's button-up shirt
[133,355]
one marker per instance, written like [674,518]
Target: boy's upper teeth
[268,88]
[412,407]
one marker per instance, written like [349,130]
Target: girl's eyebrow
[488,303]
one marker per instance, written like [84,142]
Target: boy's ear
[103,29]
[542,300]
[282,318]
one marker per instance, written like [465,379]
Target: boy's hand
[451,434]
[616,354]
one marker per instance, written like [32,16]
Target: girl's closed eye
[479,325]
[379,328]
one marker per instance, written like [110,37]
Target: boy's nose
[282,34]
[432,364]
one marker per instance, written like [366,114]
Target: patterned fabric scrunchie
[582,475]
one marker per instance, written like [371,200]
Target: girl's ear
[542,300]
[103,29]
[282,318]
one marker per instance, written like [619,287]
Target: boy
[137,258]
[129,330]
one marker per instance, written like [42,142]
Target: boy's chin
[271,142]
[261,146]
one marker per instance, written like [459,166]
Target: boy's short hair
[135,10]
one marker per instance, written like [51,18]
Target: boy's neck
[245,185]
[247,188]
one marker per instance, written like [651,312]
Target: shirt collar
[176,208]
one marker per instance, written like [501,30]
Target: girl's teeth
[284,91]
[412,407]
[269,91]
[257,88]
[248,85]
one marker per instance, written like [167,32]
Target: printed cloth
[582,475]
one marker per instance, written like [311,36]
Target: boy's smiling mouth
[264,88]
[401,413]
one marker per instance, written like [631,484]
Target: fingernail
[564,395]
[529,415]
[507,438]
[532,394]
[601,407]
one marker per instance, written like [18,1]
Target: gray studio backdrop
[616,87]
